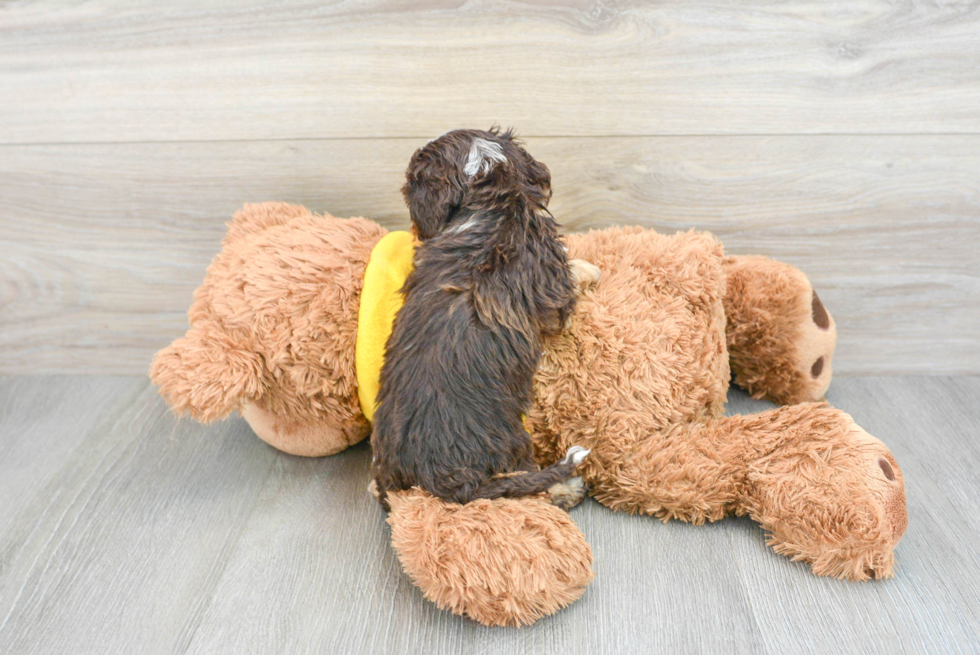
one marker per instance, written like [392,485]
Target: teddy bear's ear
[206,373]
[251,219]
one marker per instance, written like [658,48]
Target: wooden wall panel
[148,71]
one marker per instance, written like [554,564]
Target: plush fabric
[641,378]
[385,275]
[500,562]
[777,331]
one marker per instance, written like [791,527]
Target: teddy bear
[639,376]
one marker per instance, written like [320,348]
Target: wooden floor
[124,531]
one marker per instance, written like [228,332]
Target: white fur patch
[576,455]
[483,155]
[462,227]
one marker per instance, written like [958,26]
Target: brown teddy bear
[640,377]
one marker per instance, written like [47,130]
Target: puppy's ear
[539,176]
[433,190]
[533,172]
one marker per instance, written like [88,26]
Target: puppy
[491,278]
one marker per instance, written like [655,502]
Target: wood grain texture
[118,551]
[147,71]
[42,424]
[153,536]
[103,244]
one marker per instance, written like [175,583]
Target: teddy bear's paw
[568,494]
[835,499]
[586,275]
[816,339]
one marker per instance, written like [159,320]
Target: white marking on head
[483,154]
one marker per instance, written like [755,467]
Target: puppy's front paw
[586,275]
[373,489]
[567,494]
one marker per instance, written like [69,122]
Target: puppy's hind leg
[568,494]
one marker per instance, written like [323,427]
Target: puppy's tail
[533,482]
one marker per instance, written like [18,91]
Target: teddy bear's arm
[206,373]
[826,491]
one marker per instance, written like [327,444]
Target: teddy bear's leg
[499,562]
[849,483]
[826,491]
[780,336]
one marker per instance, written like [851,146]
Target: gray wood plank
[103,244]
[119,550]
[142,70]
[41,424]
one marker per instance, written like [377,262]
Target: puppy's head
[445,173]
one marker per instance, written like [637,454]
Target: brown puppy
[490,278]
